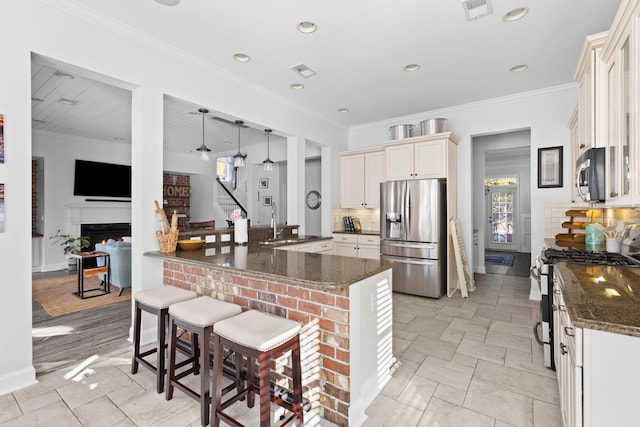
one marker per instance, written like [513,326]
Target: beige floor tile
[402,373]
[434,347]
[57,414]
[450,394]
[465,360]
[492,314]
[9,408]
[473,329]
[498,403]
[518,381]
[385,412]
[92,384]
[46,399]
[525,361]
[509,341]
[448,373]
[494,353]
[525,331]
[546,415]
[150,409]
[100,412]
[400,345]
[452,335]
[444,414]
[402,317]
[414,309]
[413,356]
[418,392]
[426,327]
[448,313]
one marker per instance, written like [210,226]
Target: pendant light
[268,163]
[204,151]
[238,159]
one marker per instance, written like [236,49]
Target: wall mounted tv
[101,179]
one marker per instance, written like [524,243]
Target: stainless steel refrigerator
[413,235]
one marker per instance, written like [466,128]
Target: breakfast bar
[344,304]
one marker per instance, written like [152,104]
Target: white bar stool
[261,337]
[197,316]
[155,301]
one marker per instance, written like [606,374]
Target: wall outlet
[210,239]
[195,238]
[225,237]
[210,251]
[294,231]
[225,249]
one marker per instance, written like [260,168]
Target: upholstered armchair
[120,262]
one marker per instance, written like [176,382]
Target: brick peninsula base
[346,338]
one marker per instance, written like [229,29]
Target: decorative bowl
[190,245]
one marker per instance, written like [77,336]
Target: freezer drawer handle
[410,261]
[410,245]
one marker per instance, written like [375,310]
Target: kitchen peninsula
[344,303]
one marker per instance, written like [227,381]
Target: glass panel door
[502,217]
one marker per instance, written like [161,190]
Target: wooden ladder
[466,281]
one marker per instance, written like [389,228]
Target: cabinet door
[374,175]
[352,176]
[369,251]
[344,249]
[324,247]
[430,159]
[399,162]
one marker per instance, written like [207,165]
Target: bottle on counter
[594,238]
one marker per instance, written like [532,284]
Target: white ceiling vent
[475,9]
[303,70]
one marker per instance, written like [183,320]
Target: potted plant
[70,245]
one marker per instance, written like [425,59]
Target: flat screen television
[97,179]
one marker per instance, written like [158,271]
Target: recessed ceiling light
[518,68]
[63,76]
[515,14]
[307,27]
[411,68]
[241,57]
[297,86]
[36,99]
[168,2]
[343,110]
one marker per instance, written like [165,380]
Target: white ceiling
[358,52]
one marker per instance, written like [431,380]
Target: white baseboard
[16,380]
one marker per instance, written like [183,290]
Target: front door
[502,216]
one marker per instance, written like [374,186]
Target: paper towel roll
[240,233]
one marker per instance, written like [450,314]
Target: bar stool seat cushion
[204,311]
[257,330]
[163,297]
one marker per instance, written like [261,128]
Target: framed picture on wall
[263,183]
[1,138]
[266,201]
[550,167]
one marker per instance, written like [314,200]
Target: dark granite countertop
[605,298]
[308,269]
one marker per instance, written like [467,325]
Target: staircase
[225,200]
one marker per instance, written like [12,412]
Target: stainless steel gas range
[542,271]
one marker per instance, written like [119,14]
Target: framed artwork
[1,208]
[550,167]
[263,183]
[1,138]
[266,201]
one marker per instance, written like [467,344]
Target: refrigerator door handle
[415,261]
[411,245]
[407,210]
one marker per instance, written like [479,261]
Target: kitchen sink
[278,241]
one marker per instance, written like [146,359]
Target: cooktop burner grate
[584,257]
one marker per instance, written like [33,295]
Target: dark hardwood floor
[520,268]
[68,339]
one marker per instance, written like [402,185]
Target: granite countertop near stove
[605,298]
[309,269]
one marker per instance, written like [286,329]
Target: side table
[91,272]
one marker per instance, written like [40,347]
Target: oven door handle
[534,273]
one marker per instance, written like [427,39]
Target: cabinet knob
[563,349]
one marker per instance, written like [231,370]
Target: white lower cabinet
[322,247]
[359,246]
[598,373]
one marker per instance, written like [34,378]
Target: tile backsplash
[555,215]
[369,218]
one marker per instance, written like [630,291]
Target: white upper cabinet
[620,55]
[421,157]
[360,175]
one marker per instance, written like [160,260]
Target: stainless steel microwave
[590,175]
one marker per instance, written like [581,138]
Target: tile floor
[461,362]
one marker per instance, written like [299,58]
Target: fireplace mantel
[96,213]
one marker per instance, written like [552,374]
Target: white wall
[65,31]
[59,153]
[545,112]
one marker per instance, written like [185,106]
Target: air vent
[475,9]
[303,70]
